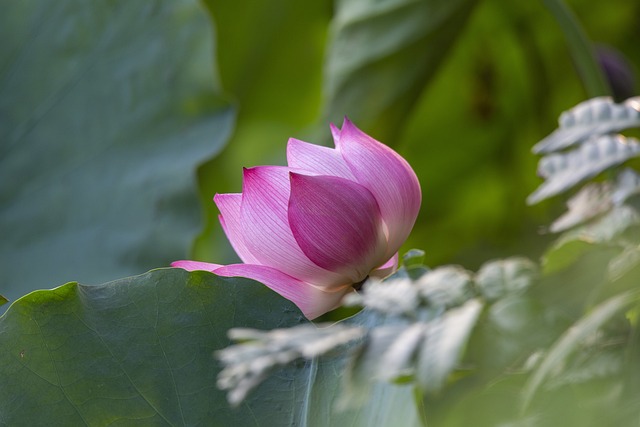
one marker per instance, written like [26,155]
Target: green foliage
[137,350]
[373,43]
[592,125]
[106,109]
[597,116]
[556,357]
[410,331]
[270,57]
[564,171]
[507,323]
[581,49]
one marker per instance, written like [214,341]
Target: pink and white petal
[195,265]
[317,159]
[266,230]
[312,301]
[231,221]
[337,224]
[335,133]
[388,176]
[386,269]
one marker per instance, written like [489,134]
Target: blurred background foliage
[463,96]
[463,89]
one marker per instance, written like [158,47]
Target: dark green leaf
[106,109]
[382,54]
[138,350]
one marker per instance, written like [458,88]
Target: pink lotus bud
[317,228]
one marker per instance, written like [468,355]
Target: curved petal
[266,229]
[387,268]
[335,133]
[231,221]
[337,224]
[195,265]
[312,301]
[317,159]
[388,176]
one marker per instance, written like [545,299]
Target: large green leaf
[138,351]
[106,108]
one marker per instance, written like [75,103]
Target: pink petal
[335,133]
[195,265]
[266,229]
[337,224]
[230,218]
[317,159]
[387,268]
[388,176]
[312,301]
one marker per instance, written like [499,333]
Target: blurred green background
[463,95]
[113,116]
[120,120]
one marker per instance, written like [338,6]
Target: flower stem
[580,49]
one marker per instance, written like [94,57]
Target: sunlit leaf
[604,231]
[395,296]
[259,353]
[627,186]
[563,171]
[106,109]
[597,116]
[446,286]
[592,200]
[445,339]
[359,401]
[496,279]
[371,365]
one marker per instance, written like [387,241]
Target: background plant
[107,109]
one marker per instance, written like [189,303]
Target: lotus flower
[315,230]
